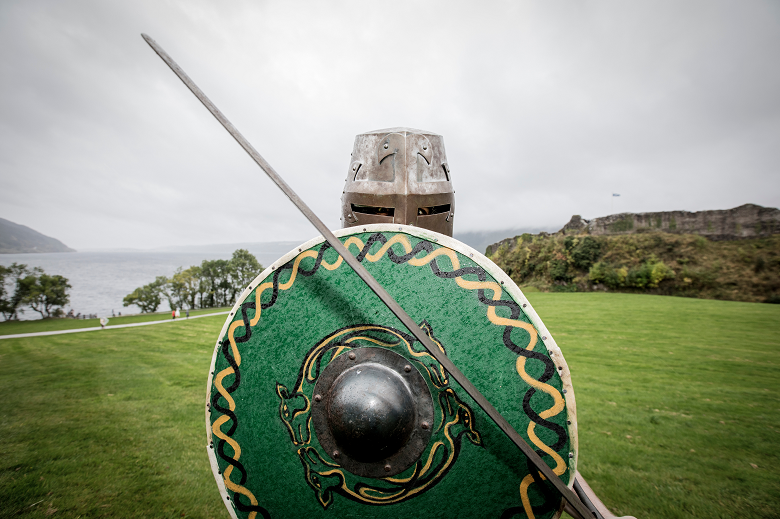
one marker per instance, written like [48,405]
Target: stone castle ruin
[745,221]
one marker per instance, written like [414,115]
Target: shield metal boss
[321,404]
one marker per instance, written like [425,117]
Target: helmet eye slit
[378,211]
[435,209]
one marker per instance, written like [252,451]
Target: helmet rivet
[425,147]
[386,146]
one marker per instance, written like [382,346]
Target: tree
[212,283]
[11,292]
[204,287]
[185,286]
[217,272]
[148,297]
[244,268]
[45,293]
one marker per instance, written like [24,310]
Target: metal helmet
[399,175]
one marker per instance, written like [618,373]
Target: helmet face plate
[399,176]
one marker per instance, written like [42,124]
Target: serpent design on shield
[308,314]
[433,457]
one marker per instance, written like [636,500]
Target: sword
[379,290]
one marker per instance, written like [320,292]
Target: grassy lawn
[678,406]
[678,401]
[47,325]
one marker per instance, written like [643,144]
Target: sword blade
[374,285]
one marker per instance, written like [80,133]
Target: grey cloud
[547,108]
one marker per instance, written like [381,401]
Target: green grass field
[47,325]
[678,411]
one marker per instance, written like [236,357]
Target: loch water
[100,280]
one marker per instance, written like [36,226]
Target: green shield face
[320,403]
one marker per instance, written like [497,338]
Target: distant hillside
[16,239]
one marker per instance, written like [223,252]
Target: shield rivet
[387,468]
[407,368]
[425,425]
[351,355]
[336,454]
[318,398]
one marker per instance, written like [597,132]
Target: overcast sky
[546,108]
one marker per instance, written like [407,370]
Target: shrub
[559,270]
[585,253]
[639,277]
[616,278]
[658,272]
[598,272]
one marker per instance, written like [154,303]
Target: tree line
[213,283]
[21,285]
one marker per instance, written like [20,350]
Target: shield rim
[480,259]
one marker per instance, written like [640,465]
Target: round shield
[321,404]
